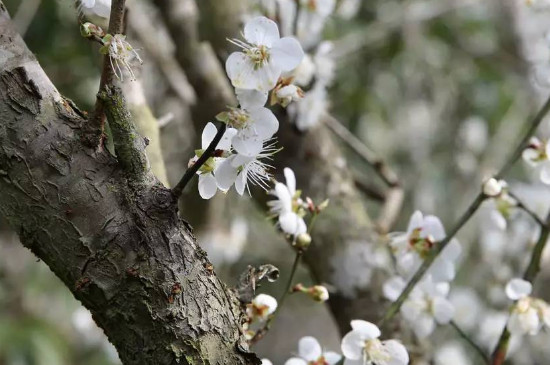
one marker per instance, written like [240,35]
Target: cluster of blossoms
[240,156]
[307,85]
[361,346]
[427,304]
[537,155]
[502,203]
[528,314]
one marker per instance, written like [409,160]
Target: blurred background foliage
[440,89]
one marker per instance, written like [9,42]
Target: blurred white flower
[225,246]
[451,353]
[361,346]
[349,8]
[303,74]
[266,362]
[100,8]
[265,56]
[528,314]
[467,306]
[311,20]
[425,306]
[537,155]
[310,352]
[423,234]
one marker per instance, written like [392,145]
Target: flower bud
[492,187]
[319,293]
[303,241]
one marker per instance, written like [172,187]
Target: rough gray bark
[115,239]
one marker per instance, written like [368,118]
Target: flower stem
[178,189]
[467,338]
[262,332]
[523,207]
[516,154]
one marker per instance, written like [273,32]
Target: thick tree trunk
[116,241]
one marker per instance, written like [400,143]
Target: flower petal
[207,186]
[240,183]
[393,288]
[289,222]
[290,179]
[332,357]
[225,174]
[309,348]
[250,98]
[352,346]
[518,288]
[424,325]
[208,134]
[397,352]
[287,53]
[295,361]
[247,145]
[366,329]
[432,226]
[416,221]
[263,122]
[261,31]
[545,173]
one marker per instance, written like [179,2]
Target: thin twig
[394,197]
[97,119]
[370,157]
[467,338]
[209,152]
[533,125]
[523,207]
[263,331]
[395,306]
[499,355]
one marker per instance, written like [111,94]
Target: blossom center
[259,56]
[422,245]
[238,118]
[374,352]
[320,361]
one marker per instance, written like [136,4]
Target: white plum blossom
[426,306]
[311,353]
[412,247]
[207,180]
[502,203]
[241,170]
[254,126]
[288,206]
[537,155]
[100,8]
[528,314]
[266,362]
[361,346]
[265,56]
[262,307]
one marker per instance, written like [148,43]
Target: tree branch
[117,243]
[97,119]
